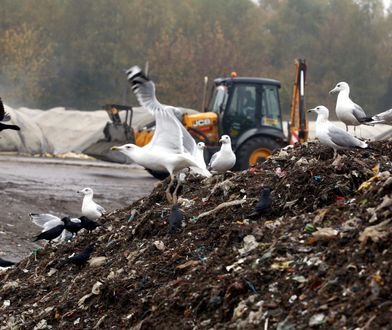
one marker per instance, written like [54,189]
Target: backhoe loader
[245,108]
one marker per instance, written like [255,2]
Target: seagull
[200,155]
[50,234]
[381,118]
[6,263]
[331,135]
[90,209]
[48,221]
[81,258]
[347,111]
[172,148]
[263,205]
[175,219]
[4,116]
[225,158]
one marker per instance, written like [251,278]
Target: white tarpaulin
[61,130]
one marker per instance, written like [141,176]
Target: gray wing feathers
[358,112]
[42,219]
[213,158]
[343,139]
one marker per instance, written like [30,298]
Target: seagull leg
[169,186]
[346,128]
[175,192]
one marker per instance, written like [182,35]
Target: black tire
[249,146]
[158,175]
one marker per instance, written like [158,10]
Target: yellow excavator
[245,108]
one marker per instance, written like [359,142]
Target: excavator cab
[249,112]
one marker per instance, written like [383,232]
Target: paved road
[44,185]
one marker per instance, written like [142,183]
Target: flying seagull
[225,158]
[4,116]
[90,209]
[172,148]
[331,135]
[347,111]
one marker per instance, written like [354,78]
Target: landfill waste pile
[319,258]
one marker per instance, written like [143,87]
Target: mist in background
[74,53]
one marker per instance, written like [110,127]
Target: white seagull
[347,111]
[90,209]
[172,148]
[331,135]
[200,155]
[225,158]
[48,221]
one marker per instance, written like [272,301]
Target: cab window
[243,102]
[219,99]
[271,108]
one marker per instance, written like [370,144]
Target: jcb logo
[202,122]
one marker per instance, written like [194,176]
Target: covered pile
[321,258]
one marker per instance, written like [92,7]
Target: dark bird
[88,224]
[81,258]
[264,204]
[72,225]
[4,116]
[6,263]
[50,234]
[175,219]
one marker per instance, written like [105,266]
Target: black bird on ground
[50,234]
[72,225]
[264,204]
[88,224]
[175,219]
[5,117]
[81,258]
[6,263]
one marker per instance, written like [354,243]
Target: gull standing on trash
[200,155]
[90,209]
[225,158]
[347,111]
[331,135]
[172,148]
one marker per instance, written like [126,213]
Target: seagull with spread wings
[172,148]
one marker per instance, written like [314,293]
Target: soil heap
[320,258]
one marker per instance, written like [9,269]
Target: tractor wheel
[158,175]
[255,150]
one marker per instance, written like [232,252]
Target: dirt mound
[319,259]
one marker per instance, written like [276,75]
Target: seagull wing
[75,220]
[342,138]
[213,158]
[169,131]
[3,115]
[100,208]
[383,117]
[41,219]
[358,112]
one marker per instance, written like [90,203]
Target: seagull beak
[311,110]
[221,140]
[115,148]
[333,91]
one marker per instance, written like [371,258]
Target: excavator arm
[299,127]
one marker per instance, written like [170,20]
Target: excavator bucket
[117,132]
